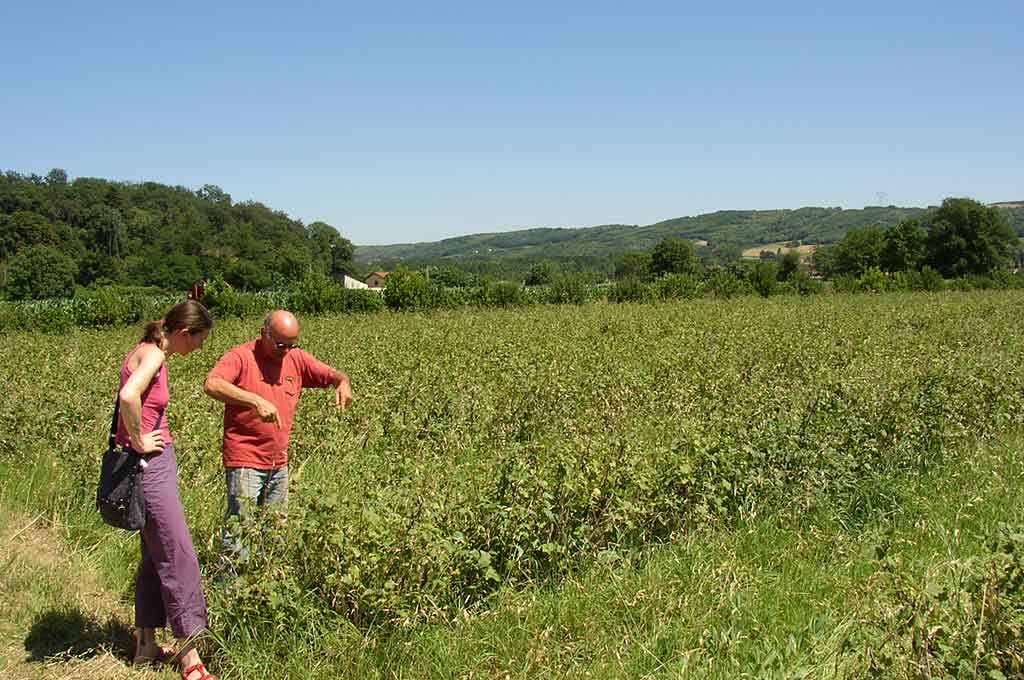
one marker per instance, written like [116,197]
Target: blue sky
[399,122]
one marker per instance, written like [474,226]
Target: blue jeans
[246,486]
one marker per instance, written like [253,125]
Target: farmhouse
[376,279]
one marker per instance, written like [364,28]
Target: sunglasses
[278,344]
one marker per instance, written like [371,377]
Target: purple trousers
[168,587]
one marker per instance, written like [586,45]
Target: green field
[791,487]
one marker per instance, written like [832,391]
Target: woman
[168,585]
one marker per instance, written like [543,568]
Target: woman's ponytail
[154,332]
[188,314]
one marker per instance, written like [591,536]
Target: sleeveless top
[154,403]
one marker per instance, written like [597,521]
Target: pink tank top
[154,403]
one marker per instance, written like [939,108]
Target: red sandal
[203,675]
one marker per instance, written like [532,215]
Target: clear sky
[415,121]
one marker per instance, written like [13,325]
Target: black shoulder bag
[119,496]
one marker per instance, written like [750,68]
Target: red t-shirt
[248,441]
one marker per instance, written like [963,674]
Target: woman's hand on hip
[151,443]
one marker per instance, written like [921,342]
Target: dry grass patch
[782,248]
[57,621]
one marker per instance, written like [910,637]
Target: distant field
[804,250]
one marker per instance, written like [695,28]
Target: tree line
[57,235]
[960,238]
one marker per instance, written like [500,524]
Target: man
[259,382]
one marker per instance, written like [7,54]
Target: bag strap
[112,441]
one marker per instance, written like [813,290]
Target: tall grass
[501,452]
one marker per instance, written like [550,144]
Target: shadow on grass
[70,633]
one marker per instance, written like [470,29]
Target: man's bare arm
[221,390]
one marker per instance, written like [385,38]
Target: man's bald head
[282,322]
[280,333]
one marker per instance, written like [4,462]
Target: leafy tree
[633,265]
[763,278]
[329,248]
[23,229]
[57,177]
[142,228]
[567,288]
[171,271]
[629,289]
[725,282]
[292,262]
[872,281]
[930,280]
[723,252]
[239,239]
[966,237]
[247,275]
[823,260]
[404,289]
[213,194]
[674,256]
[905,247]
[451,276]
[789,265]
[859,250]
[222,299]
[677,286]
[803,284]
[500,293]
[70,242]
[95,266]
[106,227]
[541,274]
[315,293]
[40,272]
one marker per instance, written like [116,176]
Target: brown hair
[188,314]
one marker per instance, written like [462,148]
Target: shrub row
[409,291]
[99,309]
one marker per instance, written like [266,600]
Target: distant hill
[744,229]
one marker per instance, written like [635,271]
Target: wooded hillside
[92,231]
